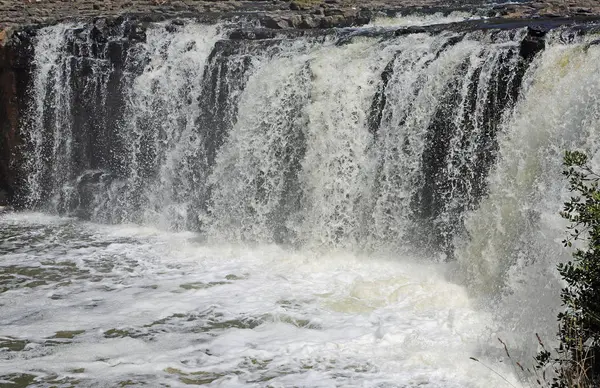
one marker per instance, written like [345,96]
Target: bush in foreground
[578,361]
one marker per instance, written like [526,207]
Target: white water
[47,89]
[411,20]
[159,132]
[514,237]
[299,164]
[229,315]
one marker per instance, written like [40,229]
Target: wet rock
[14,76]
[252,34]
[3,199]
[274,22]
[595,42]
[6,209]
[88,184]
[330,21]
[309,22]
[550,15]
[296,6]
[533,43]
[333,12]
[137,33]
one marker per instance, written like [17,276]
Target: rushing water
[85,304]
[356,208]
[292,141]
[411,19]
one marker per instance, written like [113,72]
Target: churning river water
[96,305]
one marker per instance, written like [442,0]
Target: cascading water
[445,146]
[154,151]
[50,132]
[343,141]
[164,162]
[513,240]
[254,179]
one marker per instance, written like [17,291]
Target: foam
[159,307]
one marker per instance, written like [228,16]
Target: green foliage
[577,363]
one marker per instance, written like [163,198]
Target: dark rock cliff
[15,63]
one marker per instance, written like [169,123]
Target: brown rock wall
[25,12]
[307,13]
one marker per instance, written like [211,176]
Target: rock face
[14,78]
[552,8]
[277,13]
[307,13]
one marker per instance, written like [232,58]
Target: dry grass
[561,371]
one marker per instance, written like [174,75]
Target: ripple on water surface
[92,305]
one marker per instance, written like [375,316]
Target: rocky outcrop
[14,77]
[8,124]
[550,9]
[278,13]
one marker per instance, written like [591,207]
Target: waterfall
[435,152]
[440,143]
[512,241]
[446,145]
[351,140]
[558,111]
[49,130]
[254,177]
[164,160]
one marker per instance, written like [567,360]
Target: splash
[513,239]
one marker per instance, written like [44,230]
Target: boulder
[5,209]
[274,22]
[309,22]
[3,198]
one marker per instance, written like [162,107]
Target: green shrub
[576,362]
